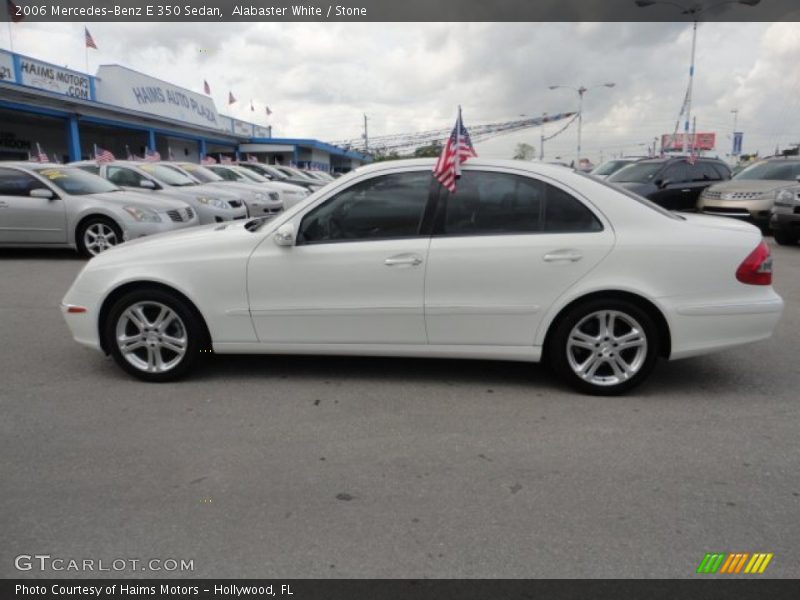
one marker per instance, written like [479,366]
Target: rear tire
[785,238]
[96,235]
[154,335]
[604,347]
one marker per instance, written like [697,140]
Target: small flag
[55,159]
[13,12]
[102,155]
[251,158]
[231,99]
[252,108]
[456,151]
[41,155]
[88,38]
[208,160]
[269,112]
[206,87]
[152,155]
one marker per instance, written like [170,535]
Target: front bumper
[786,220]
[82,325]
[260,208]
[137,229]
[754,211]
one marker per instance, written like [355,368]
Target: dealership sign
[705,141]
[6,67]
[50,78]
[129,89]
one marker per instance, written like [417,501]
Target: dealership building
[66,113]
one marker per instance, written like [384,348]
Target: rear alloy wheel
[604,347]
[785,238]
[153,335]
[97,235]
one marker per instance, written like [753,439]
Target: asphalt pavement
[301,467]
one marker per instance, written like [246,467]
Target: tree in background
[524,152]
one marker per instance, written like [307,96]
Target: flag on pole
[152,155]
[456,151]
[208,160]
[169,153]
[224,160]
[252,108]
[206,87]
[251,158]
[231,99]
[13,12]
[102,155]
[41,155]
[88,39]
[55,159]
[269,112]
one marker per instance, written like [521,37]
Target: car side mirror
[285,235]
[42,193]
[147,184]
[662,183]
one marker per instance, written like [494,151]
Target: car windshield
[200,173]
[168,175]
[296,173]
[641,172]
[607,168]
[77,182]
[225,172]
[771,169]
[251,175]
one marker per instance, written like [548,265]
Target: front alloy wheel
[98,235]
[604,347]
[154,335]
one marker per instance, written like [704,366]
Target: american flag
[41,155]
[231,99]
[55,159]
[12,12]
[208,160]
[102,155]
[269,112]
[152,155]
[456,151]
[88,38]
[252,107]
[206,87]
[224,160]
[251,158]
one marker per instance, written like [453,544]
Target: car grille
[727,211]
[712,195]
[235,203]
[732,195]
[182,215]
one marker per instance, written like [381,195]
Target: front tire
[96,235]
[784,238]
[604,347]
[154,335]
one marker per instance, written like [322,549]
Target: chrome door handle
[393,261]
[570,255]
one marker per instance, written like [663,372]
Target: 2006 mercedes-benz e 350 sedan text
[50,205]
[524,262]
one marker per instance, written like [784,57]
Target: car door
[675,189]
[505,247]
[25,219]
[356,272]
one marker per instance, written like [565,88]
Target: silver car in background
[50,205]
[260,201]
[289,193]
[161,181]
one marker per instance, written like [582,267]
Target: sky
[319,79]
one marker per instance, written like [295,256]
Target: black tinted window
[676,173]
[499,203]
[703,171]
[17,183]
[123,177]
[384,207]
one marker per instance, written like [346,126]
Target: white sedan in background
[524,262]
[290,194]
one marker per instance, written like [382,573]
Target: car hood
[205,189]
[751,185]
[143,200]
[236,187]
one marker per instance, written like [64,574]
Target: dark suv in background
[674,183]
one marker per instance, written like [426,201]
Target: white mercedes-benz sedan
[525,261]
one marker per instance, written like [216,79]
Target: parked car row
[764,193]
[91,206]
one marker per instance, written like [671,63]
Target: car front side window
[17,183]
[124,177]
[384,207]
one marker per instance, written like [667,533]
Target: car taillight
[756,269]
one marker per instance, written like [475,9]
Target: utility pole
[541,137]
[735,112]
[366,136]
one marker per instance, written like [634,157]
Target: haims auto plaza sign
[54,79]
[129,89]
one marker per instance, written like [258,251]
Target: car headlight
[274,196]
[215,202]
[785,197]
[144,215]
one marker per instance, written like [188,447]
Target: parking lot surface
[347,467]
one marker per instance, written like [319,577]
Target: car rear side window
[488,203]
[123,177]
[17,183]
[384,207]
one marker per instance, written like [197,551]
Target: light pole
[735,112]
[581,91]
[695,11]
